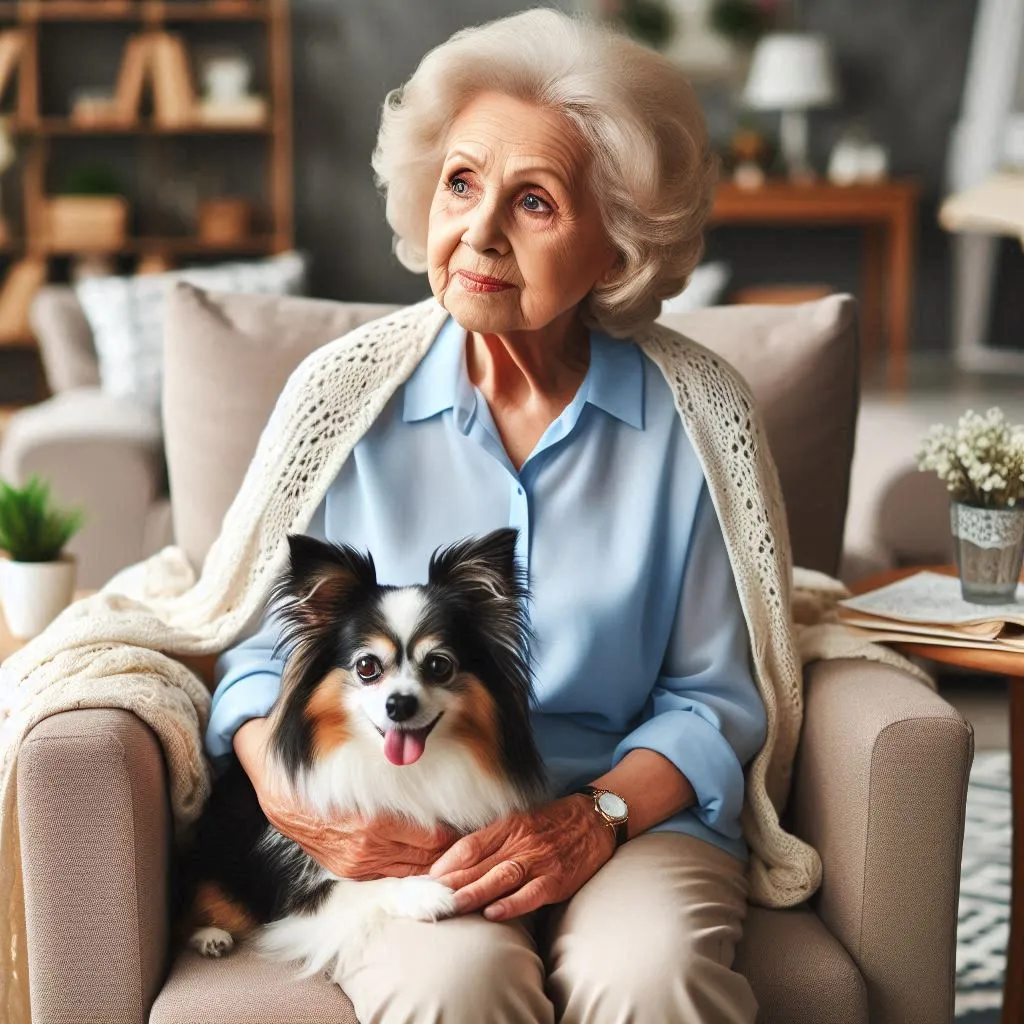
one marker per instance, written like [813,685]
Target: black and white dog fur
[410,701]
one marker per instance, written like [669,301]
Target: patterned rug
[984,912]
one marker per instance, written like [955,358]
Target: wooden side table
[1011,666]
[887,212]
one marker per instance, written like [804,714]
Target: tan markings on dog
[476,726]
[383,646]
[424,646]
[213,907]
[326,713]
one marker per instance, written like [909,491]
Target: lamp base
[793,142]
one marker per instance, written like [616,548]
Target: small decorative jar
[981,462]
[989,551]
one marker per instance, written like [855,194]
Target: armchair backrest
[227,358]
[803,365]
[66,347]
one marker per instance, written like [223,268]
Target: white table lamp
[792,72]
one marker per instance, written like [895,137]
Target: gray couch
[879,784]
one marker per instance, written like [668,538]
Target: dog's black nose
[401,707]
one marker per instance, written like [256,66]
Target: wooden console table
[887,212]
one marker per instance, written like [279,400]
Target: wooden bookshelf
[138,10]
[64,126]
[38,130]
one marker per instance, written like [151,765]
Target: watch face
[612,805]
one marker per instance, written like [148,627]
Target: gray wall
[901,63]
[347,55]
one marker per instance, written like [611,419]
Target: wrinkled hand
[530,859]
[350,846]
[360,848]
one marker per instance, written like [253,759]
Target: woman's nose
[483,232]
[401,706]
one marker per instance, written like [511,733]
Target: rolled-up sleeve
[705,713]
[248,676]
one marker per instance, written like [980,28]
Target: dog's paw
[211,942]
[422,899]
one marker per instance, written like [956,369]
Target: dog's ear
[320,578]
[485,565]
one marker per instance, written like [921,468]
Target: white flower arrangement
[981,462]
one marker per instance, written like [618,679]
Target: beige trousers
[649,939]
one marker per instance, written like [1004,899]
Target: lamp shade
[791,71]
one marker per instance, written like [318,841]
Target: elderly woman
[552,178]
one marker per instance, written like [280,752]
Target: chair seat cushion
[799,972]
[244,988]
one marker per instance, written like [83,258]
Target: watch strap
[620,828]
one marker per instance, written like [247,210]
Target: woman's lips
[479,283]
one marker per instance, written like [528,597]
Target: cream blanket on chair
[117,647]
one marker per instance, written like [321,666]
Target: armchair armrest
[95,832]
[879,789]
[98,451]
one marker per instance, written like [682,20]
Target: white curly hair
[650,170]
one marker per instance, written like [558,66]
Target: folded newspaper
[928,607]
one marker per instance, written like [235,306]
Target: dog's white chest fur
[445,785]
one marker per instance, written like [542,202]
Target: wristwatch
[612,809]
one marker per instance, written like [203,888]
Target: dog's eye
[368,668]
[438,667]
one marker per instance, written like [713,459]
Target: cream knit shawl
[116,648]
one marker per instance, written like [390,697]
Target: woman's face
[512,205]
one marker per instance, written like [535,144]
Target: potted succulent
[981,462]
[37,580]
[90,213]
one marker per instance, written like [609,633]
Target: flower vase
[989,551]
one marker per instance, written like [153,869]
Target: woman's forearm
[248,743]
[652,786]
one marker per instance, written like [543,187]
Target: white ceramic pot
[33,594]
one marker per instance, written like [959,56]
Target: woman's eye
[541,208]
[454,184]
[368,668]
[438,667]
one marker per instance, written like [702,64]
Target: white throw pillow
[126,315]
[705,288]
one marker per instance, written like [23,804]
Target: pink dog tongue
[404,746]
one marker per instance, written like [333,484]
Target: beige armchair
[879,784]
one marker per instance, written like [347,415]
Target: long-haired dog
[410,701]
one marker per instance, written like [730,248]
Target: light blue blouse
[640,637]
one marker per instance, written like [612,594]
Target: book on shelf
[928,608]
[174,97]
[12,46]
[23,280]
[246,111]
[131,77]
